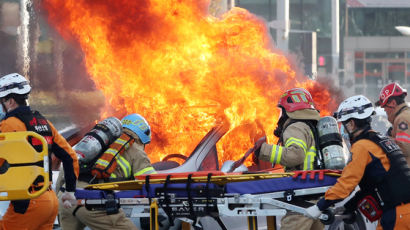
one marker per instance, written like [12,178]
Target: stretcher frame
[224,204]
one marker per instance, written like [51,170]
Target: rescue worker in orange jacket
[296,148]
[40,212]
[377,166]
[130,160]
[391,99]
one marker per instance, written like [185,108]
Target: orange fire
[184,70]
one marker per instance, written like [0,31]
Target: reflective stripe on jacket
[299,149]
[133,161]
[147,170]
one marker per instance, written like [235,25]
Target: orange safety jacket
[24,119]
[378,167]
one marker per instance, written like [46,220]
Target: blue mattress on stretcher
[245,187]
[278,184]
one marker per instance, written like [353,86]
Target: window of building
[376,21]
[359,77]
[408,73]
[359,55]
[375,69]
[396,72]
[359,90]
[390,55]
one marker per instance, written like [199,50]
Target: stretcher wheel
[358,224]
[330,217]
[351,219]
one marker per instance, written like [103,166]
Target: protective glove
[68,199]
[313,212]
[258,145]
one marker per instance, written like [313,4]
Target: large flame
[182,69]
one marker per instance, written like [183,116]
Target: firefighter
[131,161]
[391,99]
[40,212]
[296,148]
[377,166]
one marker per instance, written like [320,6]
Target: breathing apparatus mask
[344,133]
[282,119]
[361,124]
[2,110]
[2,113]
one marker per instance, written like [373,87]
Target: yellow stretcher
[218,178]
[21,164]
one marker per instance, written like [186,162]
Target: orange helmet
[296,99]
[390,90]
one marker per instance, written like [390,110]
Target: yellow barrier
[21,164]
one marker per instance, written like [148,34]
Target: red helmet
[296,99]
[390,90]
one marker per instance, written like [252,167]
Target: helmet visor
[358,110]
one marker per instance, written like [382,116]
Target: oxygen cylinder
[331,143]
[98,139]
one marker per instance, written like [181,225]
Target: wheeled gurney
[193,195]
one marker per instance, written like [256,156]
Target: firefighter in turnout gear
[124,159]
[391,99]
[296,148]
[40,212]
[377,166]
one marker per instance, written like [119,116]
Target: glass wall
[375,69]
[310,15]
[377,21]
[305,16]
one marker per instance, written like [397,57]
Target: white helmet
[358,107]
[14,83]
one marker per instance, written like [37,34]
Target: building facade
[375,52]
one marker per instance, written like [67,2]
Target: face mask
[282,118]
[350,134]
[344,133]
[2,112]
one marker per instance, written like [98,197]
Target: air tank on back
[331,143]
[98,139]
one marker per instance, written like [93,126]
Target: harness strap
[190,203]
[76,209]
[400,110]
[207,193]
[221,224]
[167,201]
[99,139]
[147,188]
